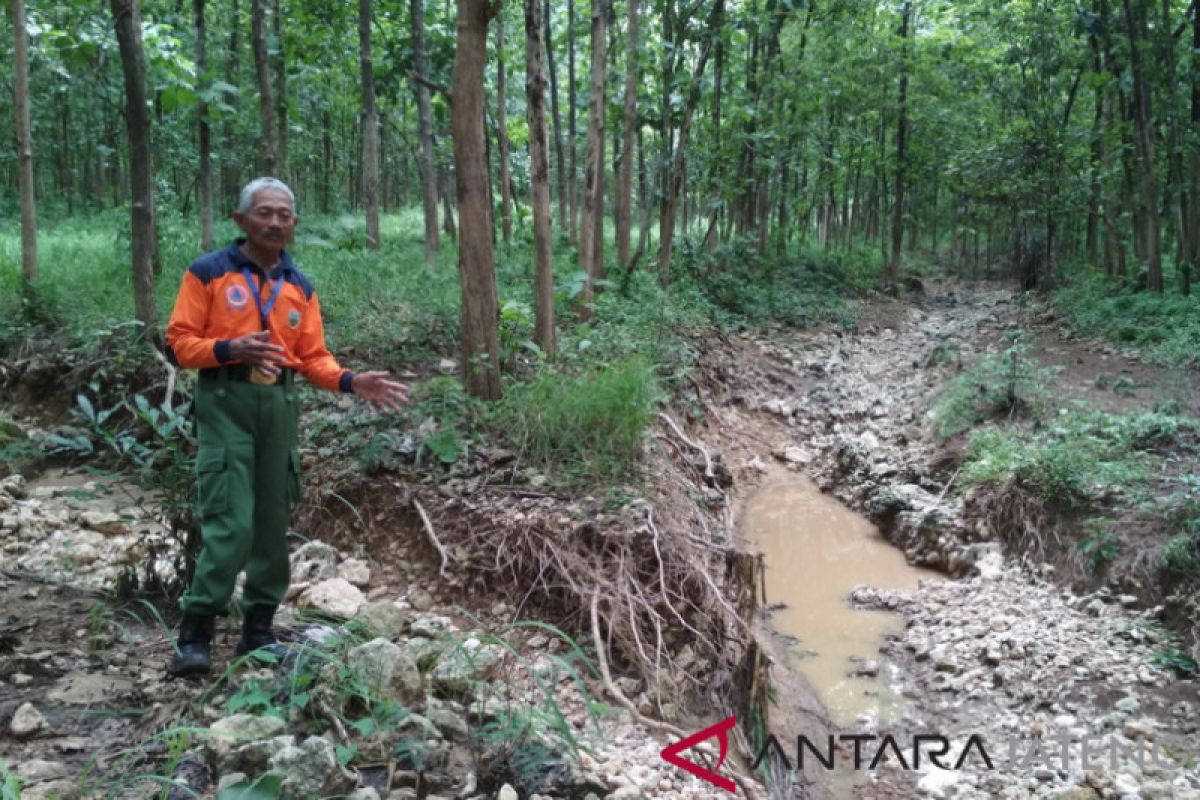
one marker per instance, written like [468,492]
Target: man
[249,321]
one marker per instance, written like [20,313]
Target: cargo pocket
[295,481]
[212,472]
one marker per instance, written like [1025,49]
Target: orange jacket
[215,305]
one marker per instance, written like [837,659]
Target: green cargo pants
[248,471]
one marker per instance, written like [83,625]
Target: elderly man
[249,321]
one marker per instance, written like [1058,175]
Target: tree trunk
[572,148]
[204,177]
[429,193]
[1145,150]
[268,154]
[666,220]
[447,207]
[476,258]
[281,104]
[892,276]
[128,24]
[370,151]
[539,161]
[624,198]
[559,155]
[506,198]
[229,166]
[593,182]
[29,259]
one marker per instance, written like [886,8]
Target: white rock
[336,597]
[26,721]
[356,571]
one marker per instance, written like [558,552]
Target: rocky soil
[86,707]
[1003,652]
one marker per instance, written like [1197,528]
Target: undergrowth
[1164,327]
[1081,456]
[1007,383]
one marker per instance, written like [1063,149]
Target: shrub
[1002,383]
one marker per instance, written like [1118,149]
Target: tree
[506,199]
[128,23]
[204,176]
[892,276]
[476,258]
[539,159]
[590,248]
[268,154]
[29,258]
[624,196]
[370,138]
[1135,20]
[429,192]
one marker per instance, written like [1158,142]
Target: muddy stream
[816,552]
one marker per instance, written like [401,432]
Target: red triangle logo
[670,754]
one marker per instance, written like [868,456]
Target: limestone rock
[386,670]
[314,562]
[383,617]
[507,793]
[106,522]
[356,571]
[26,721]
[460,667]
[336,597]
[311,769]
[228,738]
[36,770]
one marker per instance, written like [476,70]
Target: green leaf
[266,787]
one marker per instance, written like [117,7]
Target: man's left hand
[380,390]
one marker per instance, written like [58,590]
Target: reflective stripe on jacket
[215,305]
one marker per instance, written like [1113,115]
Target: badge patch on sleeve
[293,318]
[236,297]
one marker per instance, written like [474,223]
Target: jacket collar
[238,260]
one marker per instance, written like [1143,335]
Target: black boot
[257,634]
[193,648]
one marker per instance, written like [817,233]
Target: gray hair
[246,198]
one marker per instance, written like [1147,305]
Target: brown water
[816,552]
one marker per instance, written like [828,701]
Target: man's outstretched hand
[380,390]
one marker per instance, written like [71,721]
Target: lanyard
[264,311]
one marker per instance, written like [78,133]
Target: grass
[580,416]
[1165,328]
[1000,383]
[1081,456]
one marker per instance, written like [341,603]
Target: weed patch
[588,425]
[1006,383]
[1164,327]
[1081,457]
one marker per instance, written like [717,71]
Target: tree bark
[268,154]
[204,177]
[671,192]
[429,192]
[539,159]
[593,182]
[370,123]
[229,166]
[1151,240]
[559,155]
[128,23]
[572,148]
[29,257]
[476,257]
[892,276]
[624,198]
[280,94]
[506,198]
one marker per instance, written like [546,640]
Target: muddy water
[816,552]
